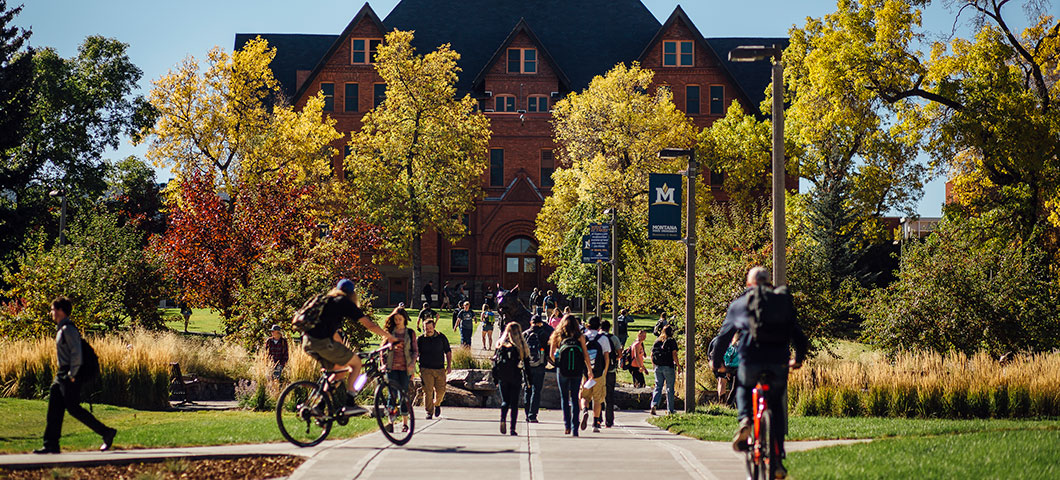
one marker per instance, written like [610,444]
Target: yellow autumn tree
[416,165]
[231,118]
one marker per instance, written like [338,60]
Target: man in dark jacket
[66,388]
[758,358]
[537,336]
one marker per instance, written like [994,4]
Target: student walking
[536,337]
[636,367]
[664,357]
[276,350]
[434,350]
[426,313]
[507,371]
[401,358]
[569,353]
[65,393]
[487,318]
[612,374]
[622,323]
[599,351]
[465,319]
[535,301]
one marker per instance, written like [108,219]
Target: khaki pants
[433,387]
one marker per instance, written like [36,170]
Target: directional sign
[664,206]
[596,245]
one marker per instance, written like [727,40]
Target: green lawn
[902,447]
[22,425]
[202,320]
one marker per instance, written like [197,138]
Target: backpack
[89,363]
[657,353]
[308,317]
[597,360]
[772,316]
[613,354]
[569,358]
[537,349]
[626,362]
[505,364]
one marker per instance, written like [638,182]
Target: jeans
[465,336]
[664,375]
[568,400]
[747,376]
[535,382]
[65,397]
[609,399]
[399,379]
[510,400]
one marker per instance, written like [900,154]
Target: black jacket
[739,318]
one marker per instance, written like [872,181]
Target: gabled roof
[366,12]
[586,37]
[521,27]
[751,78]
[294,52]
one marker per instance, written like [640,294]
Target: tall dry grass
[135,366]
[929,385]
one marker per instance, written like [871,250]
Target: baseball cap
[345,285]
[275,328]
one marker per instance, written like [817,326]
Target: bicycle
[762,449]
[305,410]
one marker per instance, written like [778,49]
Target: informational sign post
[596,245]
[664,206]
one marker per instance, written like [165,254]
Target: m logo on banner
[664,195]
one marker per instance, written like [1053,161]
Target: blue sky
[160,34]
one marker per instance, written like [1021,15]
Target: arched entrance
[521,265]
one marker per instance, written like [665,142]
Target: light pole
[748,53]
[614,265]
[690,273]
[61,193]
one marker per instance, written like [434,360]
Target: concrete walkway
[466,443]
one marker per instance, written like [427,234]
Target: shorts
[487,327]
[327,351]
[597,393]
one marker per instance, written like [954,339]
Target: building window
[537,103]
[363,50]
[328,89]
[352,97]
[459,260]
[378,94]
[717,100]
[717,178]
[505,103]
[522,60]
[548,165]
[692,99]
[677,53]
[496,167]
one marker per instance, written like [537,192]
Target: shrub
[955,403]
[807,404]
[979,403]
[999,402]
[462,358]
[904,401]
[929,401]
[848,403]
[825,401]
[1019,402]
[877,402]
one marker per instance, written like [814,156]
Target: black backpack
[505,364]
[89,363]
[570,361]
[614,353]
[597,360]
[537,348]
[657,352]
[308,317]
[772,316]
[626,362]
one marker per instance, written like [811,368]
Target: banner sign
[596,245]
[664,206]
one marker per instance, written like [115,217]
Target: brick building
[518,58]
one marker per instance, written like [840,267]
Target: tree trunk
[417,271]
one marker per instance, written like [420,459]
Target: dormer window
[677,53]
[522,60]
[505,103]
[362,50]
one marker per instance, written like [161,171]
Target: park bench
[180,384]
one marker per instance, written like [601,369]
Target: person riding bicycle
[758,356]
[323,342]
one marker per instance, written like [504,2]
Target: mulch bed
[243,468]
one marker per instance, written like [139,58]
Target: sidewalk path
[466,443]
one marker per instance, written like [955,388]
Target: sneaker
[596,429]
[504,427]
[780,471]
[429,416]
[108,440]
[44,450]
[585,420]
[437,411]
[652,411]
[566,431]
[353,410]
[739,441]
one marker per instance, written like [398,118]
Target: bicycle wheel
[394,414]
[764,446]
[304,413]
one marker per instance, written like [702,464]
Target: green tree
[232,119]
[416,165]
[133,194]
[608,139]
